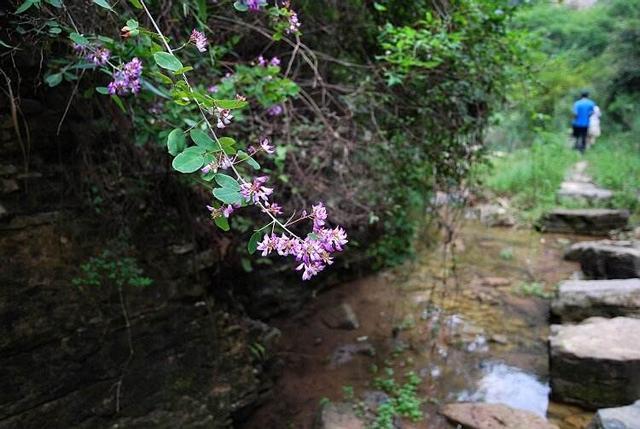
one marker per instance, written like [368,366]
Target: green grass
[614,163]
[530,176]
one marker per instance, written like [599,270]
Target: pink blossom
[268,244]
[227,210]
[266,146]
[199,39]
[99,56]
[275,61]
[262,61]
[127,79]
[255,191]
[294,23]
[319,216]
[275,110]
[274,208]
[224,117]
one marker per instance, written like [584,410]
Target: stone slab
[596,363]
[492,416]
[583,221]
[617,418]
[607,259]
[580,299]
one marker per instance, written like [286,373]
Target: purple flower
[255,5]
[261,61]
[275,61]
[212,166]
[275,110]
[127,79]
[99,56]
[294,23]
[268,244]
[319,216]
[274,208]
[266,146]
[225,162]
[287,245]
[227,210]
[199,39]
[255,191]
[213,88]
[310,269]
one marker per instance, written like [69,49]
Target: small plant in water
[403,400]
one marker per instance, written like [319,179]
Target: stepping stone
[583,221]
[580,299]
[338,415]
[584,191]
[617,418]
[492,416]
[596,363]
[607,259]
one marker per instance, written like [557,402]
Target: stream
[470,318]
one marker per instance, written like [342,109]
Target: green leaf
[227,196]
[25,6]
[132,23]
[227,182]
[190,160]
[136,4]
[201,138]
[183,70]
[240,6]
[228,145]
[222,223]
[379,7]
[54,79]
[256,237]
[55,3]
[176,142]
[102,90]
[167,61]
[243,156]
[230,104]
[78,39]
[103,3]
[119,102]
[208,176]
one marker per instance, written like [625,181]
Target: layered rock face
[617,418]
[596,363]
[583,221]
[607,259]
[580,299]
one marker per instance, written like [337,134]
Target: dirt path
[472,323]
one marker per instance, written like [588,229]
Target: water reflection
[508,385]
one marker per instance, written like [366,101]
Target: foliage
[530,176]
[108,269]
[534,289]
[404,401]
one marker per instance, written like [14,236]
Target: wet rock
[492,416]
[583,221]
[494,215]
[374,398]
[617,418]
[580,299]
[584,191]
[499,339]
[341,317]
[347,352]
[606,259]
[596,363]
[338,415]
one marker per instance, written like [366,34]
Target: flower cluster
[294,23]
[255,191]
[262,61]
[224,117]
[313,253]
[127,79]
[99,56]
[275,110]
[255,5]
[199,39]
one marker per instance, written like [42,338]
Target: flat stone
[495,281]
[494,215]
[596,363]
[617,418]
[580,299]
[339,415]
[583,221]
[341,317]
[493,416]
[607,259]
[347,352]
[583,190]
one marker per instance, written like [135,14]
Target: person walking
[594,127]
[582,111]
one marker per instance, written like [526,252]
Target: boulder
[492,416]
[341,317]
[580,299]
[338,415]
[494,215]
[596,363]
[607,259]
[583,221]
[617,418]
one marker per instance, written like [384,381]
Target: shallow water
[457,316]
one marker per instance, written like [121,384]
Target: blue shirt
[582,109]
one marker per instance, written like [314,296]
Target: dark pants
[580,133]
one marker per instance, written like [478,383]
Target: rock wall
[190,357]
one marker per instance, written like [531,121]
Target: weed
[534,289]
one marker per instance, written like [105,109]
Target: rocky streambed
[470,318]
